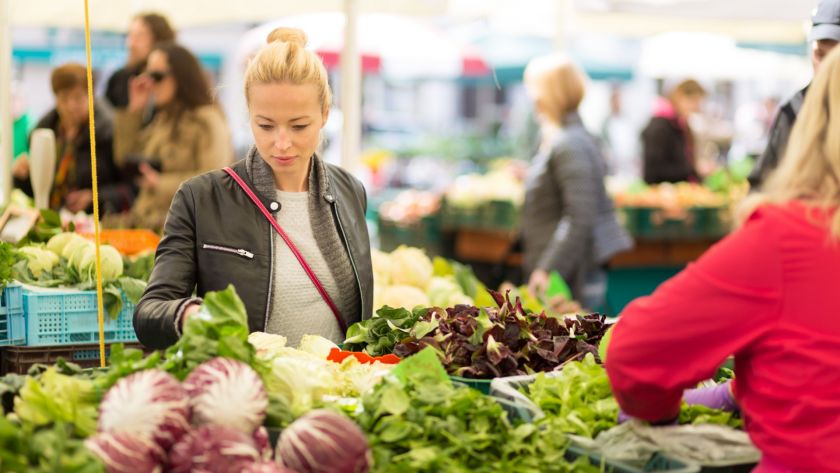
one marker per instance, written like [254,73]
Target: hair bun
[288,35]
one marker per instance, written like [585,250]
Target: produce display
[222,400]
[483,343]
[408,278]
[681,195]
[67,260]
[472,190]
[426,424]
[410,206]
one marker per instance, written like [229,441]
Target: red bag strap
[291,246]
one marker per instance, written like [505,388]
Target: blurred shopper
[621,139]
[187,137]
[568,221]
[667,141]
[146,30]
[69,121]
[285,228]
[764,294]
[824,36]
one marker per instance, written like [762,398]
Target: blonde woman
[568,221]
[767,295]
[286,229]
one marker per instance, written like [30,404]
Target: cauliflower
[411,267]
[404,296]
[445,292]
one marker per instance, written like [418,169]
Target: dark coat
[664,143]
[211,209]
[115,192]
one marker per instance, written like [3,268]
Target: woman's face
[139,41]
[164,82]
[687,105]
[286,120]
[72,106]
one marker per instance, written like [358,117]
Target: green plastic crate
[482,385]
[656,224]
[425,234]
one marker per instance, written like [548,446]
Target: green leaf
[133,288]
[113,301]
[395,401]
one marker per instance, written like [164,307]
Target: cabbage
[382,267]
[445,292]
[38,260]
[411,267]
[324,441]
[125,453]
[266,343]
[301,379]
[408,297]
[213,449]
[358,378]
[227,392]
[58,242]
[79,253]
[318,346]
[151,405]
[112,263]
[71,246]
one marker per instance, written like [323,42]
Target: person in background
[73,180]
[667,141]
[188,135]
[215,235]
[568,221]
[765,294]
[145,31]
[621,139]
[824,36]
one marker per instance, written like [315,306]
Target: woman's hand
[139,92]
[149,178]
[21,167]
[538,283]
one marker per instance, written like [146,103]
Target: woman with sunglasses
[187,137]
[286,229]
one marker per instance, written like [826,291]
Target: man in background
[825,34]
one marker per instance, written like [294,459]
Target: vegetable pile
[68,260]
[425,424]
[503,341]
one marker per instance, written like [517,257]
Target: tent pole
[351,89]
[5,102]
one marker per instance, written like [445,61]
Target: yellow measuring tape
[95,185]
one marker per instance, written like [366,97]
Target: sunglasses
[158,76]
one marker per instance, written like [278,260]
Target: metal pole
[6,148]
[351,89]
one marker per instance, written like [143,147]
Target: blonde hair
[685,88]
[285,59]
[810,170]
[557,84]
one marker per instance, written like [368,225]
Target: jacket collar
[262,179]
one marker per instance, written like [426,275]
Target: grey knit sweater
[324,231]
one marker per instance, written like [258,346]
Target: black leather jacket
[212,209]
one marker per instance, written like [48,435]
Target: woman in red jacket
[765,294]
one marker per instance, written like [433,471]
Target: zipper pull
[245,253]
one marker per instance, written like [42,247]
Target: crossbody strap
[292,247]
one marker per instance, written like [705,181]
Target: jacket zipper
[334,206]
[233,251]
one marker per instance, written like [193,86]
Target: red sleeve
[678,336]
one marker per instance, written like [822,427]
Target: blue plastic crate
[70,318]
[12,324]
